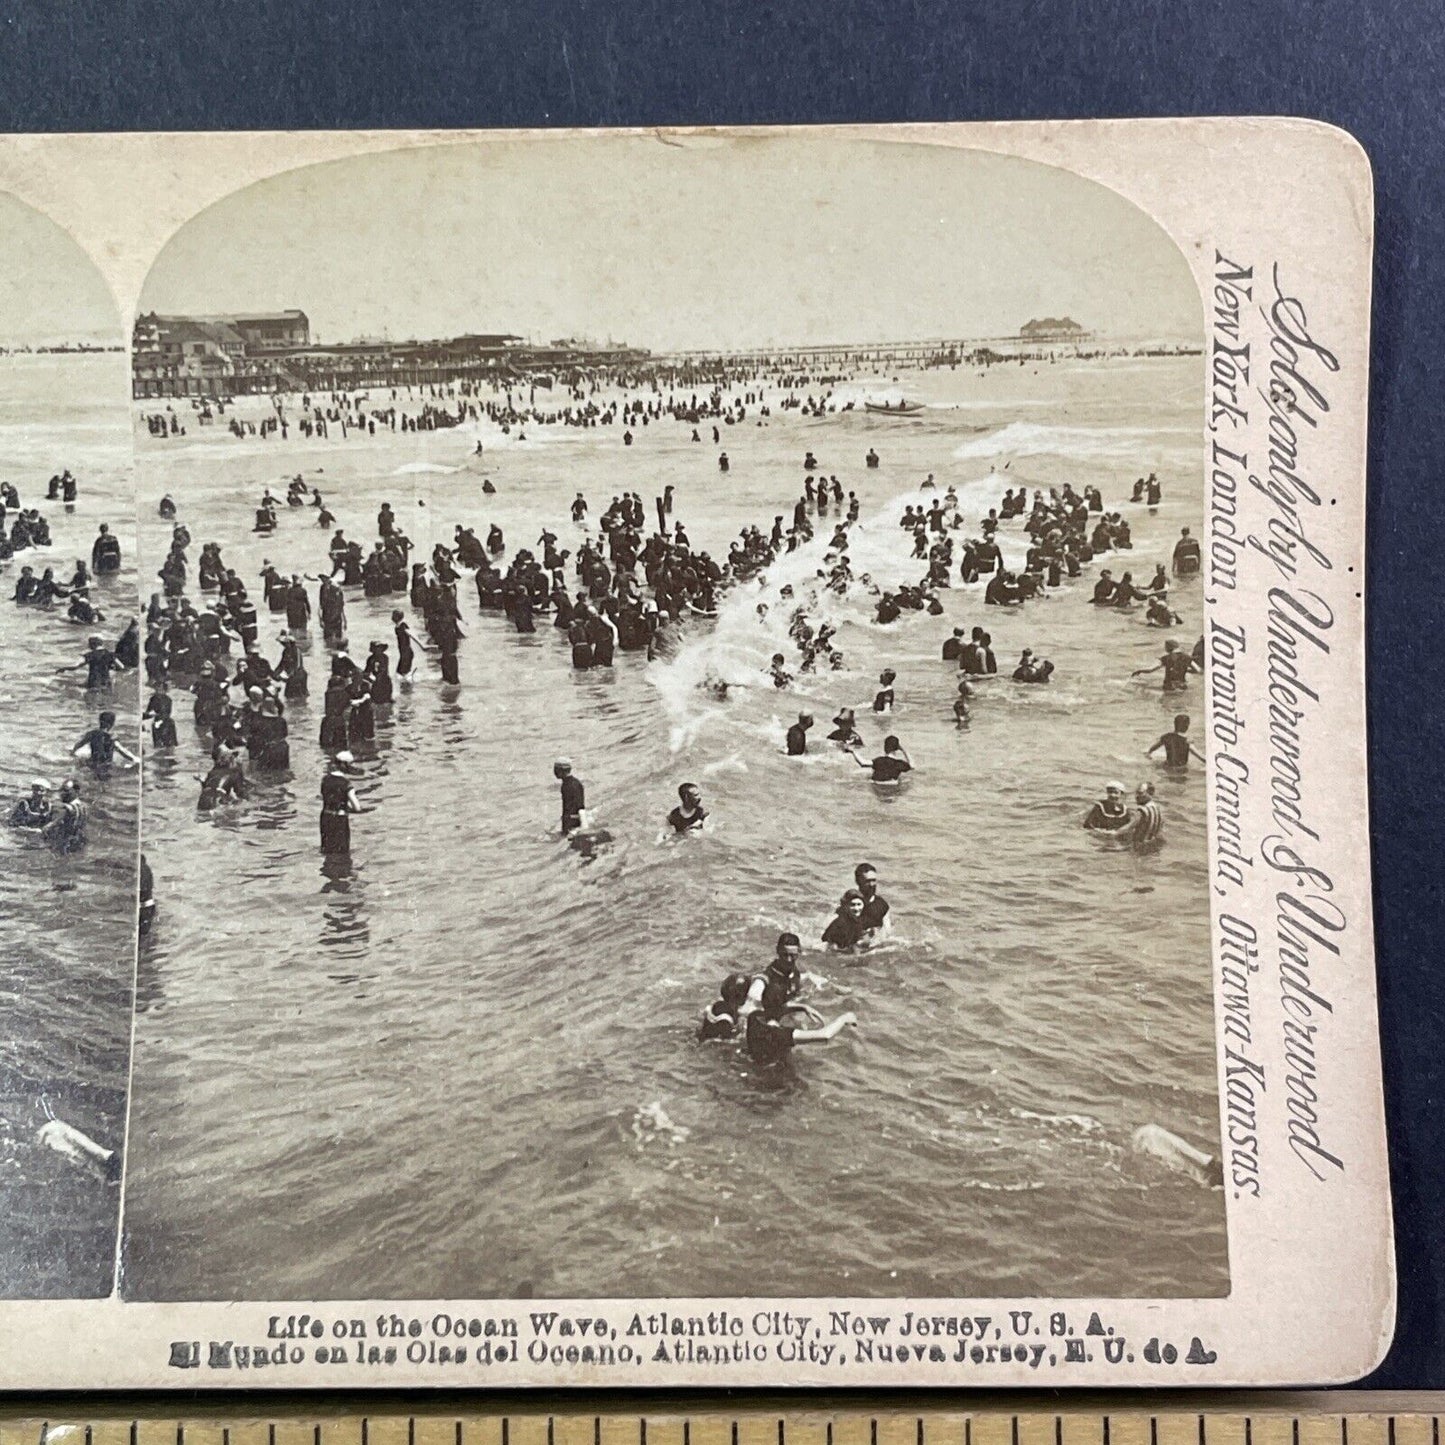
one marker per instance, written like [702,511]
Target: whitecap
[1136,445]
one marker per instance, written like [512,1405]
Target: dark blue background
[1375,67]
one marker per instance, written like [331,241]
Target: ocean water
[67,922]
[463,1064]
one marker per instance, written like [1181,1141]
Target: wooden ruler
[1342,1418]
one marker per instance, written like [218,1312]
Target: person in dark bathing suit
[845,932]
[378,675]
[1110,813]
[338,802]
[883,698]
[771,998]
[1175,664]
[1186,554]
[102,744]
[158,714]
[105,553]
[146,911]
[960,703]
[99,662]
[1177,745]
[845,729]
[574,797]
[875,905]
[890,765]
[361,718]
[720,1018]
[35,812]
[689,815]
[798,735]
[405,646]
[336,707]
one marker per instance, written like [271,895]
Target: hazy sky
[49,289]
[712,243]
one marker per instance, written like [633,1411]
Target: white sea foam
[737,648]
[1084,1123]
[1029,439]
[651,1122]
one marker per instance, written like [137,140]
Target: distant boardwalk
[217,357]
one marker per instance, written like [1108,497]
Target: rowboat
[883,408]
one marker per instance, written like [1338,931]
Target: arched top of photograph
[680,243]
[53,298]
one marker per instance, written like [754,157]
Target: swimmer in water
[146,912]
[846,933]
[1110,813]
[883,698]
[845,729]
[798,735]
[99,662]
[1034,670]
[1186,556]
[720,1018]
[66,830]
[574,798]
[960,703]
[1175,664]
[689,815]
[102,744]
[890,765]
[778,671]
[34,812]
[875,905]
[772,997]
[338,802]
[771,1038]
[1149,820]
[1160,614]
[1177,745]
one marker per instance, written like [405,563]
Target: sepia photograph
[673,728]
[69,769]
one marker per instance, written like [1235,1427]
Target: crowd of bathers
[695,392]
[59,814]
[621,589]
[1067,530]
